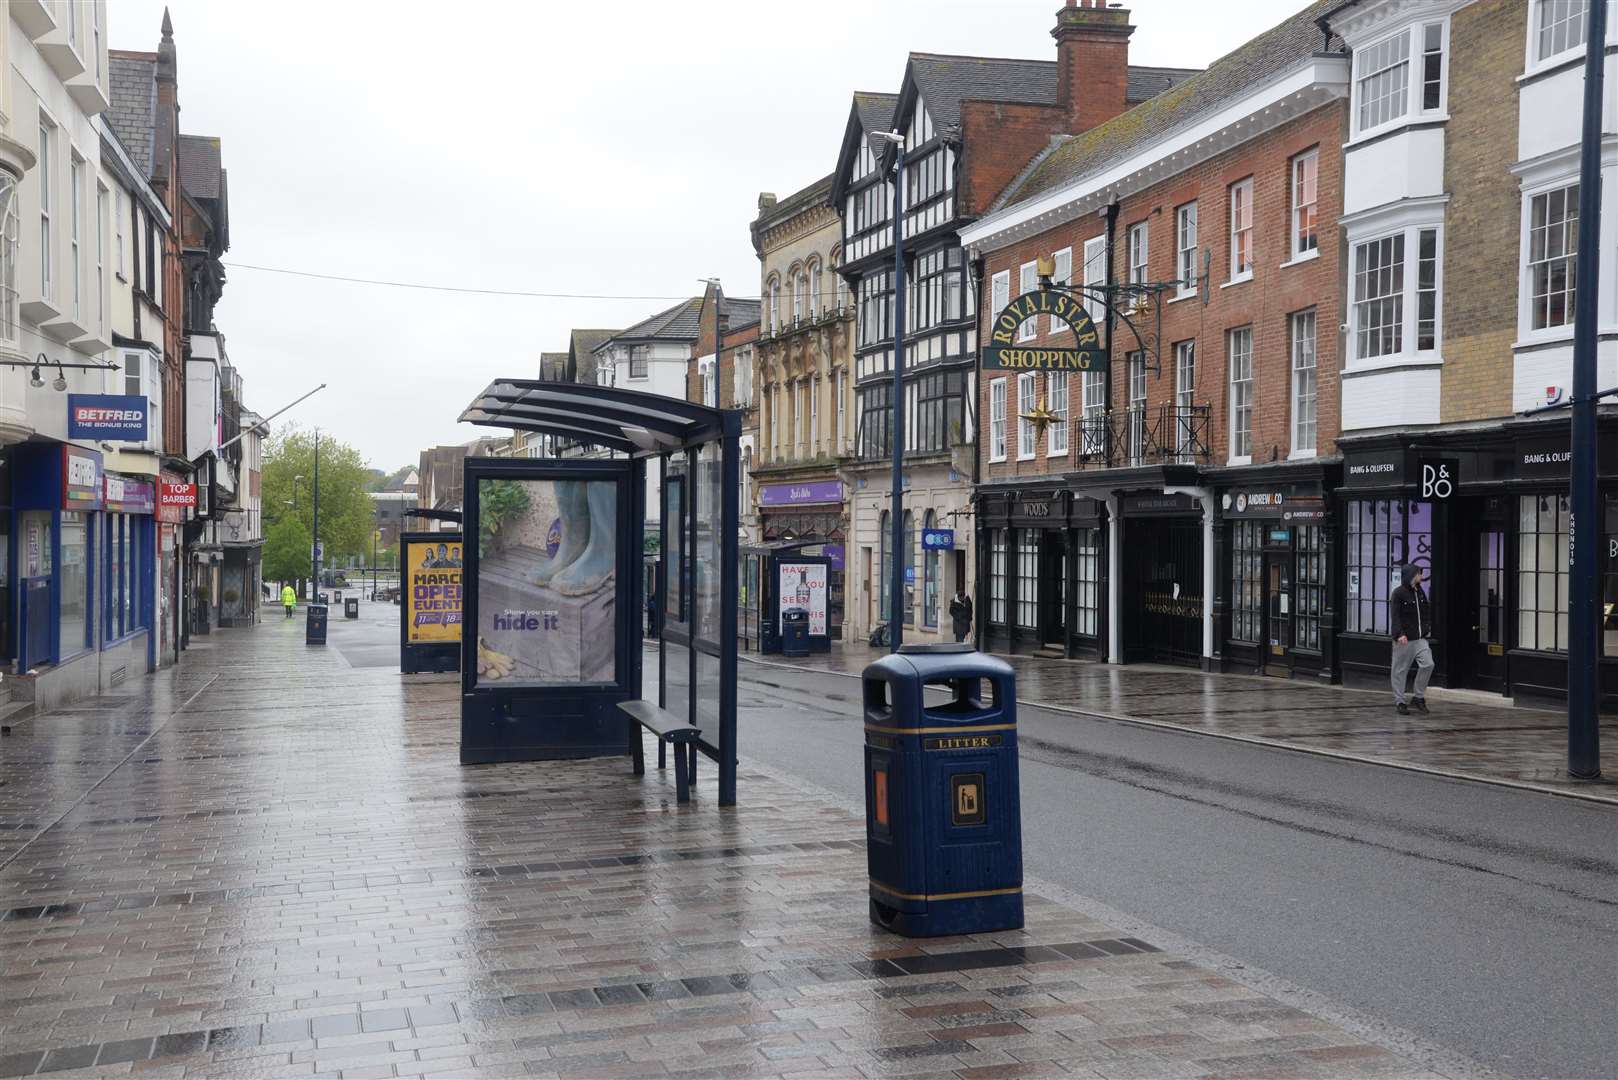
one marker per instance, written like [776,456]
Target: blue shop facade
[78,554]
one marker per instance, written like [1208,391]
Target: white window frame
[1027,281]
[47,206]
[1185,256]
[118,219]
[1095,275]
[997,419]
[1093,404]
[1526,333]
[1415,35]
[814,288]
[999,295]
[1185,392]
[10,222]
[1027,401]
[1305,364]
[1063,276]
[814,415]
[1135,368]
[775,303]
[842,409]
[1535,62]
[1295,187]
[1411,230]
[1239,208]
[1139,253]
[75,195]
[1241,392]
[1057,394]
[101,257]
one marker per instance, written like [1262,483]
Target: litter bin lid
[936,649]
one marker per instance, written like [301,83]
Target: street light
[896,583]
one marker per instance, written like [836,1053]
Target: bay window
[1402,76]
[1396,286]
[1553,241]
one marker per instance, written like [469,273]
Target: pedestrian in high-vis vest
[289,599]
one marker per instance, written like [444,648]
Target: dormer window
[1400,78]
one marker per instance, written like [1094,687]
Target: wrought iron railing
[1145,436]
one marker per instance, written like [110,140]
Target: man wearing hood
[1412,620]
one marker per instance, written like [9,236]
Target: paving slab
[269,862]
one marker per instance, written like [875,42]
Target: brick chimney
[1092,62]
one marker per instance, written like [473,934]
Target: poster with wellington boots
[547,557]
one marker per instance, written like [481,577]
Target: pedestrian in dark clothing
[1411,616]
[960,614]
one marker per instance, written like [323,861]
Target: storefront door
[1484,610]
[1053,588]
[1278,613]
[1162,590]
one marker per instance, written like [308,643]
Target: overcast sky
[605,148]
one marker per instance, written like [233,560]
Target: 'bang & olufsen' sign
[1004,354]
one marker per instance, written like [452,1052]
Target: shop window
[123,597]
[997,577]
[1609,581]
[1247,581]
[885,589]
[929,575]
[910,568]
[1028,578]
[1383,535]
[1543,554]
[1087,595]
[1308,587]
[73,573]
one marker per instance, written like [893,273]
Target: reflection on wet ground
[269,862]
[1461,735]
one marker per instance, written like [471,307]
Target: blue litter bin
[795,632]
[943,820]
[315,626]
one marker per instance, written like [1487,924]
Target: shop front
[1163,579]
[809,515]
[127,578]
[176,498]
[1485,512]
[1275,547]
[1043,584]
[57,490]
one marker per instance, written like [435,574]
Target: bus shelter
[554,575]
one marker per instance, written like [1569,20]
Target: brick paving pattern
[1491,742]
[269,862]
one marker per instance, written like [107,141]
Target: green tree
[346,510]
[286,551]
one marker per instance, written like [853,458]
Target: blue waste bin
[795,632]
[943,820]
[315,626]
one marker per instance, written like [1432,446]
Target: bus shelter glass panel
[676,575]
[547,590]
[708,572]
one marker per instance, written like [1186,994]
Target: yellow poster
[433,590]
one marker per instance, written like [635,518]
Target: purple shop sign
[821,491]
[834,552]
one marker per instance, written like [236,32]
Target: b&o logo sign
[1438,478]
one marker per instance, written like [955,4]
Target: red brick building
[1172,508]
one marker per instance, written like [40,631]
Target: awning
[631,421]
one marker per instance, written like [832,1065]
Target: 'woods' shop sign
[1004,354]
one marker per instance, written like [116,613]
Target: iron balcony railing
[1143,435]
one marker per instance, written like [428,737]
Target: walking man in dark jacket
[960,614]
[1412,620]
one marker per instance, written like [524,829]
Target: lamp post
[314,529]
[896,579]
[1584,604]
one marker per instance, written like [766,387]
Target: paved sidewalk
[1462,736]
[269,863]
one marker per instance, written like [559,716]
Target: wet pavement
[1461,735]
[268,862]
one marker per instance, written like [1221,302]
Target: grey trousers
[1412,652]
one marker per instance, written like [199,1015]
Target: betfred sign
[115,417]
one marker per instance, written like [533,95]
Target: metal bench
[670,730]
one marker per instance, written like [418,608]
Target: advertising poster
[803,585]
[547,582]
[433,591]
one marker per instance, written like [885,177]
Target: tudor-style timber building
[1173,508]
[969,125]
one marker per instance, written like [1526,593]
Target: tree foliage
[286,551]
[346,510]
